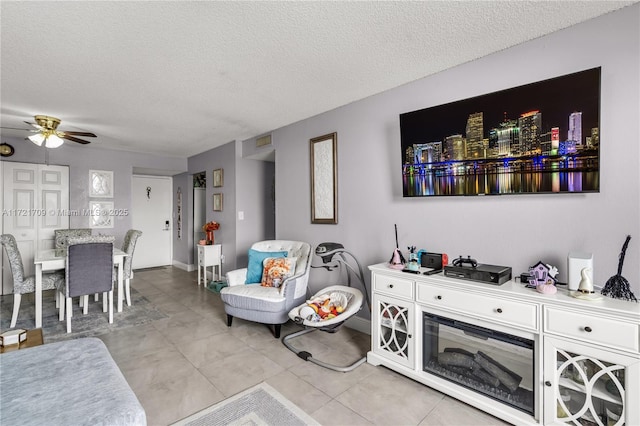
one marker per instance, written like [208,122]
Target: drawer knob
[390,285]
[588,329]
[499,310]
[547,383]
[439,297]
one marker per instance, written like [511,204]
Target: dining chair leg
[96,297]
[85,308]
[17,298]
[61,306]
[104,302]
[127,285]
[57,299]
[111,307]
[69,309]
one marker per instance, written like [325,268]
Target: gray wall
[253,187]
[507,230]
[81,159]
[182,246]
[247,188]
[222,157]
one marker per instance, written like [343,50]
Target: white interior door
[35,202]
[151,214]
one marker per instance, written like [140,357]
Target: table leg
[120,295]
[38,295]
[110,297]
[199,272]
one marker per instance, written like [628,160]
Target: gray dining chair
[21,284]
[129,245]
[61,235]
[89,270]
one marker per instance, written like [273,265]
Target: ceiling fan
[47,132]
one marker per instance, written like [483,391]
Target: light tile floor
[191,360]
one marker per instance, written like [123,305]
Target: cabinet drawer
[505,311]
[599,330]
[394,286]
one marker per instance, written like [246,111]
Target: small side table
[34,338]
[209,256]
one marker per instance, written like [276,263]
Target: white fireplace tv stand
[522,356]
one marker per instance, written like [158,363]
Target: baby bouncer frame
[334,258]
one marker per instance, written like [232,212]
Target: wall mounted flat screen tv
[542,137]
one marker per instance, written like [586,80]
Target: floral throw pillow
[276,270]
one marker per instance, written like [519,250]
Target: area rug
[93,324]
[259,405]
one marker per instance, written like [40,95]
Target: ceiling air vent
[263,141]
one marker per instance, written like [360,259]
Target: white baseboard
[184,266]
[359,324]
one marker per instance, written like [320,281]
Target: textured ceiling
[179,78]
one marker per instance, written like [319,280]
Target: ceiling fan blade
[15,128]
[37,126]
[71,138]
[91,135]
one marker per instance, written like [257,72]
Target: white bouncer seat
[331,325]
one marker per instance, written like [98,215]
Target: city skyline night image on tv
[542,137]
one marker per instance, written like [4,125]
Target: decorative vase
[209,237]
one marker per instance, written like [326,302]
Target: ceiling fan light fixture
[38,138]
[53,141]
[49,123]
[47,134]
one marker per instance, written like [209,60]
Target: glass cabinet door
[588,386]
[393,337]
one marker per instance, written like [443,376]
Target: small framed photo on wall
[217,202]
[218,178]
[101,214]
[101,183]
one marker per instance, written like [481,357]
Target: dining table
[55,259]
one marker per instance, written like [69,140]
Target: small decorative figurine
[585,289]
[397,260]
[542,277]
[586,286]
[413,264]
[542,273]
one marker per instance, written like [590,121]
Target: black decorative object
[617,286]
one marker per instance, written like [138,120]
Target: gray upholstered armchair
[268,305]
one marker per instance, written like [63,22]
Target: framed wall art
[217,202]
[100,183]
[539,138]
[218,178]
[324,179]
[101,214]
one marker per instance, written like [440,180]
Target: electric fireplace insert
[492,363]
